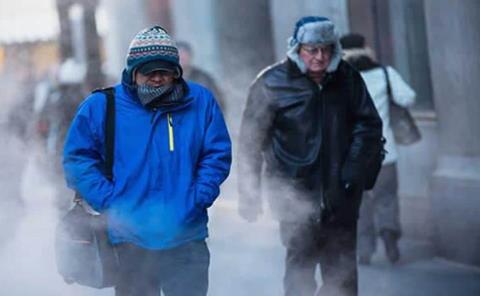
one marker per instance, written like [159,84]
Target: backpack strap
[109,130]
[109,92]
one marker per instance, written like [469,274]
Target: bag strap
[109,131]
[109,139]
[109,135]
[392,103]
[389,87]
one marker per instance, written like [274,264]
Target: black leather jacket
[314,136]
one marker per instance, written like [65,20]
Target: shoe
[391,247]
[364,259]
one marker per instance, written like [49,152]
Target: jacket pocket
[289,163]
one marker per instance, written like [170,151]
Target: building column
[244,33]
[65,35]
[193,22]
[160,13]
[95,76]
[454,43]
[125,18]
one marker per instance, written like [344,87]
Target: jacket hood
[362,59]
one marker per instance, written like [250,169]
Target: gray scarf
[164,95]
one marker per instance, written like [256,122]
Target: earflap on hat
[314,30]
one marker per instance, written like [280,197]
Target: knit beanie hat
[152,45]
[314,30]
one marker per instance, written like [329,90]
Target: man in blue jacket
[172,152]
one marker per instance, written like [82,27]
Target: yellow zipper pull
[171,143]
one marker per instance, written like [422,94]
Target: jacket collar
[294,72]
[131,91]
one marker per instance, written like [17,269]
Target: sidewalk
[247,259]
[418,274]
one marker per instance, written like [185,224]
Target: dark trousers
[181,271]
[333,246]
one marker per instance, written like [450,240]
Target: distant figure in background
[193,73]
[21,90]
[62,104]
[56,101]
[379,212]
[15,85]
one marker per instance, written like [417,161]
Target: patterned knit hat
[314,30]
[152,44]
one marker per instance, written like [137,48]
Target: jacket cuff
[206,195]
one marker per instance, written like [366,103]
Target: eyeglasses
[315,49]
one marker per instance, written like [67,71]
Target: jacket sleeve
[215,158]
[366,133]
[402,93]
[83,156]
[255,126]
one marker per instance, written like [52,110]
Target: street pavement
[246,258]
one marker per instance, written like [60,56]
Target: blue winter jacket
[168,165]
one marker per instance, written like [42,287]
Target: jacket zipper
[171,143]
[324,204]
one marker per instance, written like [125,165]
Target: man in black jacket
[311,123]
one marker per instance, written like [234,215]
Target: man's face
[155,78]
[316,57]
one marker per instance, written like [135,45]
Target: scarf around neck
[165,95]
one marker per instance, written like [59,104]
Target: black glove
[353,176]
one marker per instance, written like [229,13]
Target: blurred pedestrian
[16,84]
[21,90]
[57,97]
[64,97]
[379,212]
[195,74]
[310,120]
[172,152]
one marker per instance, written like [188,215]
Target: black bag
[405,131]
[84,254]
